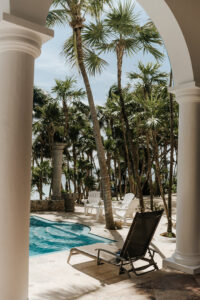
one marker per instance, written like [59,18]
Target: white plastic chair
[123,203]
[94,201]
[127,208]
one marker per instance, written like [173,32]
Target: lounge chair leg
[69,257]
[99,259]
[155,266]
[152,259]
[72,251]
[123,271]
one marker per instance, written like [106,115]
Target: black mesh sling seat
[136,246]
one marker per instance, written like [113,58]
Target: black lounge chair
[136,246]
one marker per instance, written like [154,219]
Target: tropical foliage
[148,115]
[130,143]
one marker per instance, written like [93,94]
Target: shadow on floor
[160,285]
[105,273]
[170,285]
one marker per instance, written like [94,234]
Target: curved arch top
[171,19]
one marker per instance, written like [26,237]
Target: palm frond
[131,45]
[69,51]
[93,62]
[56,17]
[149,36]
[122,19]
[95,34]
[96,7]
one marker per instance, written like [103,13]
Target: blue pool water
[46,236]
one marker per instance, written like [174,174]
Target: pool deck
[51,278]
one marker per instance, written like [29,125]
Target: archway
[22,32]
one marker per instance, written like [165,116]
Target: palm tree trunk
[74,161]
[131,147]
[169,227]
[98,139]
[115,178]
[108,163]
[120,179]
[40,189]
[158,173]
[50,188]
[91,160]
[66,114]
[130,171]
[165,161]
[149,164]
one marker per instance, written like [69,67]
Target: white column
[20,43]
[57,155]
[187,255]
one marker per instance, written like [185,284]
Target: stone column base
[171,263]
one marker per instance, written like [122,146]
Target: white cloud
[50,62]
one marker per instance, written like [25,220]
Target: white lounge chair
[94,201]
[127,208]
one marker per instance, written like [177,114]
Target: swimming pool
[47,236]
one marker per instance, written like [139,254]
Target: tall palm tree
[67,92]
[114,103]
[41,174]
[47,130]
[153,121]
[121,33]
[145,79]
[148,76]
[40,98]
[171,167]
[73,12]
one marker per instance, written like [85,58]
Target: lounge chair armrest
[111,253]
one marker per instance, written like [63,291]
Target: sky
[51,65]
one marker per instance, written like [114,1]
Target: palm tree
[113,107]
[153,120]
[171,99]
[48,129]
[121,33]
[67,92]
[73,12]
[148,76]
[40,98]
[41,174]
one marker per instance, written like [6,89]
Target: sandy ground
[51,278]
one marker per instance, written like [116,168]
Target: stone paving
[51,278]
